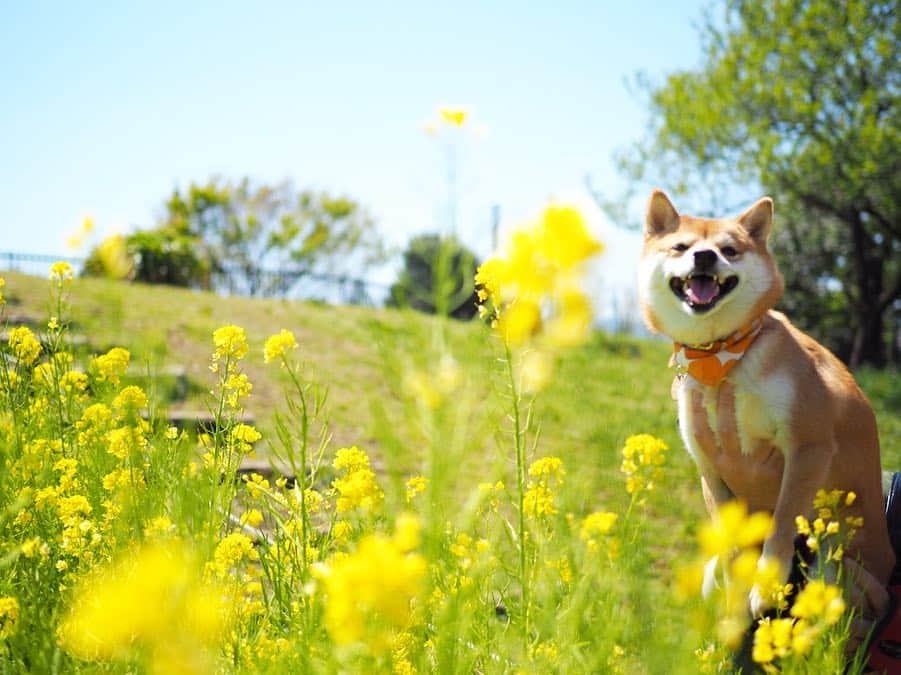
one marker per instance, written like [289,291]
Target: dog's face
[701,279]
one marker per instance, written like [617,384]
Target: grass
[377,365]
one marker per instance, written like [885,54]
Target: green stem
[520,491]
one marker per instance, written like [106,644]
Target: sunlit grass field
[427,514]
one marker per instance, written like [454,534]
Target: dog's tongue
[702,289]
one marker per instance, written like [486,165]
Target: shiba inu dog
[769,415]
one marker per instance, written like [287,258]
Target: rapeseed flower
[230,345]
[24,345]
[151,602]
[643,455]
[415,486]
[9,617]
[595,526]
[130,400]
[369,592]
[539,499]
[2,284]
[110,367]
[62,273]
[356,487]
[533,288]
[453,115]
[278,345]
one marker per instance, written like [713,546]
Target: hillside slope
[601,393]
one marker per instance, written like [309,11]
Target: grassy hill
[602,392]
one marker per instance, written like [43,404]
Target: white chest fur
[751,407]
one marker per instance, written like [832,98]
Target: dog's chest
[738,430]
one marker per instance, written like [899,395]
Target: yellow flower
[357,489]
[564,237]
[130,400]
[73,381]
[61,272]
[350,460]
[819,601]
[151,602]
[416,486]
[453,115]
[539,500]
[24,345]
[252,517]
[245,434]
[115,261]
[230,343]
[643,455]
[596,524]
[234,549]
[531,289]
[277,346]
[111,366]
[734,528]
[2,284]
[547,467]
[369,592]
[9,617]
[520,321]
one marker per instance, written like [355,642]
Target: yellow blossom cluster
[243,436]
[534,287]
[370,591]
[110,367]
[24,345]
[230,345]
[277,346]
[62,273]
[356,486]
[415,486]
[595,527]
[2,284]
[734,540]
[817,607]
[9,617]
[643,455]
[830,533]
[150,603]
[539,500]
[129,401]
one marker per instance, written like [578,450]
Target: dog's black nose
[705,260]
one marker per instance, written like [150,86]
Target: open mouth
[701,292]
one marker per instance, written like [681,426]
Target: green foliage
[436,277]
[800,99]
[165,256]
[242,228]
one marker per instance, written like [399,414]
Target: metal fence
[279,283]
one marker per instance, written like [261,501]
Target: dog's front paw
[758,602]
[711,583]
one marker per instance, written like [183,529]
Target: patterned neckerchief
[710,363]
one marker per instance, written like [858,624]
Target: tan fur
[789,418]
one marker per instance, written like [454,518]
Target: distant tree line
[243,231]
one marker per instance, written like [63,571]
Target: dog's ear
[758,220]
[662,217]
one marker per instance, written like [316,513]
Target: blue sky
[107,109]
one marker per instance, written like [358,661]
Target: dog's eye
[729,251]
[680,248]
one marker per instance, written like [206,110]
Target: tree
[243,229]
[437,277]
[798,99]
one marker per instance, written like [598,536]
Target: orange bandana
[710,363]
